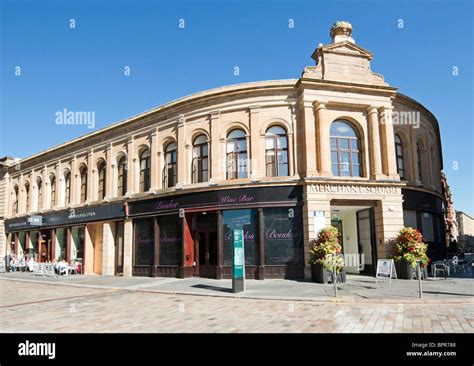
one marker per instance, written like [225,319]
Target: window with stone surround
[276,152]
[200,163]
[236,154]
[145,170]
[399,156]
[345,150]
[169,171]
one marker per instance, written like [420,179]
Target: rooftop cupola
[343,60]
[341,31]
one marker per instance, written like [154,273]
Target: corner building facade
[158,194]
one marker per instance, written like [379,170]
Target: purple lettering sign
[165,205]
[243,198]
[169,239]
[275,235]
[248,236]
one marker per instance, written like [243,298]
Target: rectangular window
[144,242]
[21,245]
[61,244]
[77,244]
[409,219]
[233,219]
[33,245]
[171,240]
[283,233]
[427,226]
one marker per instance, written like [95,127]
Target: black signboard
[224,197]
[71,216]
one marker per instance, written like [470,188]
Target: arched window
[52,182]
[145,170]
[122,176]
[15,201]
[419,158]
[83,174]
[39,186]
[27,194]
[399,156]
[67,188]
[276,152]
[345,150]
[236,155]
[200,163]
[169,171]
[102,180]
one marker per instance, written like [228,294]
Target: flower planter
[320,275]
[406,272]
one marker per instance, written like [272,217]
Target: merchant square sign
[354,189]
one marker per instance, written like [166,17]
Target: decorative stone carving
[343,60]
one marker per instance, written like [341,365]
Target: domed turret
[341,31]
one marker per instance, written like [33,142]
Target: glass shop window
[283,233]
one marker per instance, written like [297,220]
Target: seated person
[22,264]
[30,264]
[13,264]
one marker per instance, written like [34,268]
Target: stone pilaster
[90,177]
[184,169]
[88,249]
[130,167]
[74,198]
[324,152]
[108,173]
[108,247]
[313,202]
[388,221]
[45,180]
[388,144]
[257,156]
[127,248]
[309,133]
[374,145]
[215,146]
[154,161]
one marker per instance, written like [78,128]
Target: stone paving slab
[357,288]
[76,309]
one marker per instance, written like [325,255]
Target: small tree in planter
[408,249]
[322,260]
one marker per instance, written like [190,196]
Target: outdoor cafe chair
[440,266]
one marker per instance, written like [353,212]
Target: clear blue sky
[82,68]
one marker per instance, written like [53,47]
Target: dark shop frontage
[190,235]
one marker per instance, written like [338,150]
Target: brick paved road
[34,307]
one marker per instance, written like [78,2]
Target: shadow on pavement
[213,288]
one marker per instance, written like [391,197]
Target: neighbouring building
[466,231]
[158,194]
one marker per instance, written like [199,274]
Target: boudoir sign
[354,189]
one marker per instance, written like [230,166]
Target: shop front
[69,235]
[190,235]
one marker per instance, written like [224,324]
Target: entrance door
[367,243]
[44,244]
[119,248]
[207,248]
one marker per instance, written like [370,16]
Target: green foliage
[409,246]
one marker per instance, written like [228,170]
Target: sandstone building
[159,193]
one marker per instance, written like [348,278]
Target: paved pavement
[40,307]
[357,289]
[114,304]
